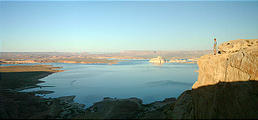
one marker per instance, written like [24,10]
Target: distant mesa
[158,60]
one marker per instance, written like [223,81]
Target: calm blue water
[133,78]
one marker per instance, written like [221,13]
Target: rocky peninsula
[24,76]
[25,105]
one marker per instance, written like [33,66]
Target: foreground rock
[15,105]
[227,85]
[131,108]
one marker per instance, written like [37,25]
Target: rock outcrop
[22,105]
[238,61]
[227,85]
[131,108]
[158,60]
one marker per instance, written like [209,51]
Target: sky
[88,26]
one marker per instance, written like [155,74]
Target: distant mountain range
[145,54]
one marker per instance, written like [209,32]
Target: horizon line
[96,51]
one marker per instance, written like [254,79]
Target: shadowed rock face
[20,105]
[235,100]
[227,85]
[131,108]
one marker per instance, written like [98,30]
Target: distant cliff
[227,85]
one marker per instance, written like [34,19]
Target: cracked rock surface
[227,85]
[238,61]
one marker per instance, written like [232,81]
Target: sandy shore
[30,68]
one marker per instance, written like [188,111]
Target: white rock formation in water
[158,60]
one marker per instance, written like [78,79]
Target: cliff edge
[227,85]
[238,61]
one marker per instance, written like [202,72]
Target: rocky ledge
[227,85]
[238,61]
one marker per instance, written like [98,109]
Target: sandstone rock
[159,104]
[237,45]
[227,85]
[183,106]
[158,60]
[238,62]
[225,100]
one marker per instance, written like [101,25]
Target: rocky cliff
[227,85]
[238,61]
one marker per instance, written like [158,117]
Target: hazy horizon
[93,52]
[87,26]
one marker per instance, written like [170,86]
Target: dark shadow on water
[166,83]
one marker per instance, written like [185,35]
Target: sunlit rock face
[237,62]
[227,85]
[237,45]
[158,60]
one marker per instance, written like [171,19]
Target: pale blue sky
[114,26]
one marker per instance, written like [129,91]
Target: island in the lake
[161,60]
[226,88]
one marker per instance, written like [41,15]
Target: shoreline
[12,96]
[27,105]
[26,76]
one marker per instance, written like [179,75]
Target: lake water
[90,83]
